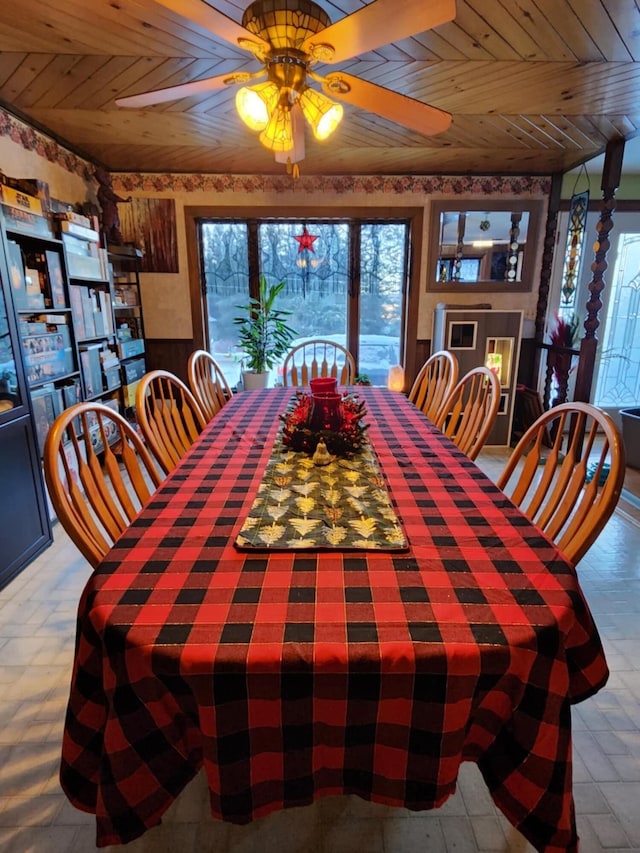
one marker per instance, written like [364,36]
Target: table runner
[290,676]
[300,505]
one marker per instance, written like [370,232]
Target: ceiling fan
[288,37]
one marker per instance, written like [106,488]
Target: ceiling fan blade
[381,22]
[173,93]
[406,111]
[211,19]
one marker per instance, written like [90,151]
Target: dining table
[340,667]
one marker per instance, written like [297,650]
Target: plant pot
[252,381]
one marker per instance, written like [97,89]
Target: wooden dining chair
[98,473]
[434,383]
[318,357]
[168,415]
[470,410]
[568,489]
[207,382]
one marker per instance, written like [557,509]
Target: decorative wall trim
[44,146]
[462,185]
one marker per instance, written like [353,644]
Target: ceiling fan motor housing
[288,70]
[285,24]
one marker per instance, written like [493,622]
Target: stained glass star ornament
[305,240]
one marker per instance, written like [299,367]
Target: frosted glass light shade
[278,134]
[321,112]
[297,151]
[256,103]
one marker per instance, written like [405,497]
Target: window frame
[412,216]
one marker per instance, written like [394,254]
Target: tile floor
[37,627]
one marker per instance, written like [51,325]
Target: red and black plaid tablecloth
[291,676]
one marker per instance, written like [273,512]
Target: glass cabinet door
[10,393]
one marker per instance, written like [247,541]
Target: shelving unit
[78,313]
[91,301]
[25,530]
[37,274]
[124,263]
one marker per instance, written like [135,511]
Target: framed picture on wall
[150,224]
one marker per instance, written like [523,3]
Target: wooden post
[589,344]
[545,272]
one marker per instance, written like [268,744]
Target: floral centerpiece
[299,434]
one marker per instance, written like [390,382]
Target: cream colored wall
[166,298]
[20,162]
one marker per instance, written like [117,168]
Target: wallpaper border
[450,185]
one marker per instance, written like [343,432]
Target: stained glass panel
[225,266]
[618,382]
[313,258]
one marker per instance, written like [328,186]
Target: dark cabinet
[25,530]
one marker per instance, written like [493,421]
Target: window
[346,281]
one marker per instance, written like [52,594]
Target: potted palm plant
[263,334]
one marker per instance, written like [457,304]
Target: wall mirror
[482,246]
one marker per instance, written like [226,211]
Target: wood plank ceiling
[534,87]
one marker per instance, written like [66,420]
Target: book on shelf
[91,370]
[133,370]
[111,378]
[83,248]
[43,404]
[104,302]
[109,358]
[71,392]
[75,299]
[48,355]
[85,258]
[36,279]
[98,319]
[71,216]
[88,313]
[129,348]
[43,271]
[77,230]
[129,327]
[15,262]
[129,393]
[86,267]
[31,186]
[126,295]
[55,279]
[13,197]
[25,222]
[104,263]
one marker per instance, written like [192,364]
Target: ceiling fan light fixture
[255,104]
[285,24]
[323,114]
[278,134]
